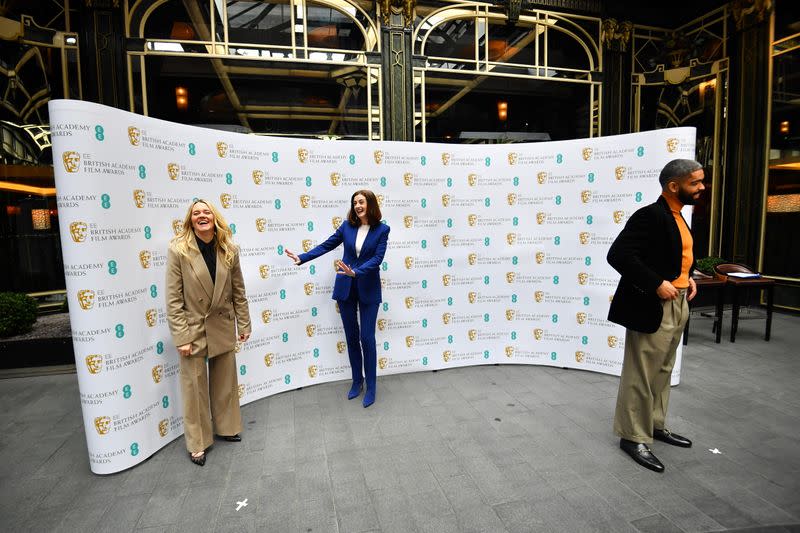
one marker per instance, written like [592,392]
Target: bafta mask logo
[177,226]
[336,178]
[237,347]
[472,259]
[138,198]
[86,299]
[581,317]
[268,357]
[539,258]
[510,277]
[446,355]
[163,427]
[446,200]
[225,200]
[78,230]
[306,244]
[72,161]
[379,198]
[102,424]
[382,362]
[672,145]
[408,221]
[150,317]
[538,333]
[377,155]
[446,279]
[157,372]
[509,351]
[408,179]
[472,334]
[619,173]
[134,135]
[612,341]
[409,262]
[472,297]
[308,288]
[587,153]
[445,240]
[512,198]
[310,330]
[336,222]
[144,258]
[619,216]
[222,149]
[173,171]
[472,219]
[240,390]
[472,179]
[266,316]
[94,363]
[258,177]
[586,196]
[538,296]
[312,371]
[261,225]
[305,201]
[446,318]
[583,237]
[512,158]
[541,217]
[263,271]
[341,346]
[541,177]
[510,314]
[410,339]
[583,278]
[579,355]
[409,302]
[302,155]
[511,238]
[445,158]
[381,324]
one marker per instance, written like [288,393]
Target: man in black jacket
[653,254]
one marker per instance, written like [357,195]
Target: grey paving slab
[493,448]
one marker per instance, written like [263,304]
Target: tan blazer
[201,313]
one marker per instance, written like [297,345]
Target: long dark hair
[373,210]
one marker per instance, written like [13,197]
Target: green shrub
[17,313]
[706,265]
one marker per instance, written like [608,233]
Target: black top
[209,251]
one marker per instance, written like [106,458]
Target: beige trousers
[646,370]
[214,386]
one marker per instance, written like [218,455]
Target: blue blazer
[366,266]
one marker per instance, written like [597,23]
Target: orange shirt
[682,282]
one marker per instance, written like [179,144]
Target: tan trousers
[646,370]
[218,381]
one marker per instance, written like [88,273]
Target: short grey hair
[678,168]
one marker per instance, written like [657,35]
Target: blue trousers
[360,339]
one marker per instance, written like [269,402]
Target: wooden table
[740,284]
[718,286]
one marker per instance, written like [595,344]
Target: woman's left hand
[344,269]
[243,337]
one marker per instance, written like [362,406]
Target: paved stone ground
[484,449]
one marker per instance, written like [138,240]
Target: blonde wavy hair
[222,232]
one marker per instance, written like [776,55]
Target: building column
[103,52]
[398,70]
[747,132]
[617,66]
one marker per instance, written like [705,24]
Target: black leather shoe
[665,435]
[231,438]
[199,460]
[641,453]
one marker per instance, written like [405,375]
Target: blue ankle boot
[355,390]
[369,397]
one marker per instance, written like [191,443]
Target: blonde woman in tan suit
[207,313]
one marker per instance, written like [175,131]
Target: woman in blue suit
[358,284]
